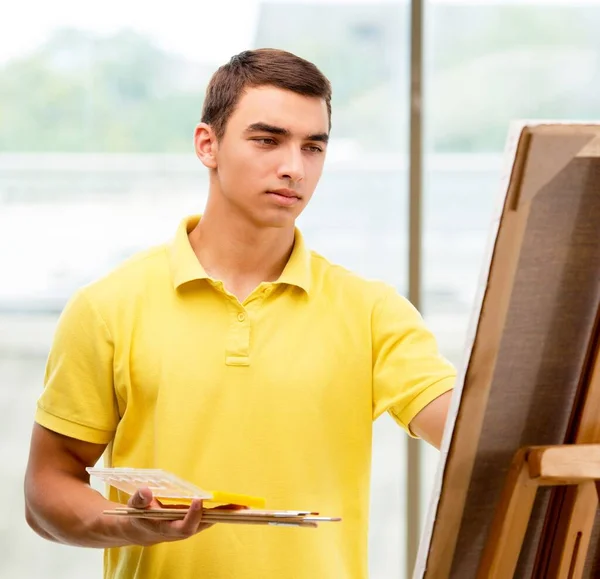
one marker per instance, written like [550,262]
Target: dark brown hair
[262,67]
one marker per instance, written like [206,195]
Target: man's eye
[314,149]
[266,141]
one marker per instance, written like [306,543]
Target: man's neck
[239,253]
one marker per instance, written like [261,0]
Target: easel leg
[562,553]
[503,546]
[568,562]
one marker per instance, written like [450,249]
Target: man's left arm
[412,381]
[430,422]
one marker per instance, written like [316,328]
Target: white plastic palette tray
[162,484]
[167,486]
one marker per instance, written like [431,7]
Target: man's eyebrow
[273,130]
[266,128]
[319,137]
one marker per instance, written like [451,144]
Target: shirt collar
[297,270]
[186,267]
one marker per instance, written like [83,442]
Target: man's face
[271,156]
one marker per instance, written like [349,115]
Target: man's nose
[292,164]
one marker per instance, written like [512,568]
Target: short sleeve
[79,396]
[408,370]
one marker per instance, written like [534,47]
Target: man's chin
[277,218]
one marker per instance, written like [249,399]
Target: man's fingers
[167,530]
[141,499]
[193,518]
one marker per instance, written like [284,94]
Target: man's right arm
[61,505]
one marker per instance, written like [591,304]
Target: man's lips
[284,197]
[285,193]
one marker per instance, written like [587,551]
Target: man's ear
[205,143]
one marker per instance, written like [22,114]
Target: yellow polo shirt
[273,397]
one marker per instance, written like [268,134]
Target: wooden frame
[413,447]
[532,381]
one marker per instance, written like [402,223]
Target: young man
[235,358]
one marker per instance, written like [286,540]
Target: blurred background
[97,110]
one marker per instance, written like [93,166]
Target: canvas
[530,341]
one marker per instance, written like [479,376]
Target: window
[96,163]
[97,110]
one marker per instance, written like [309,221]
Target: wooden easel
[575,467]
[533,347]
